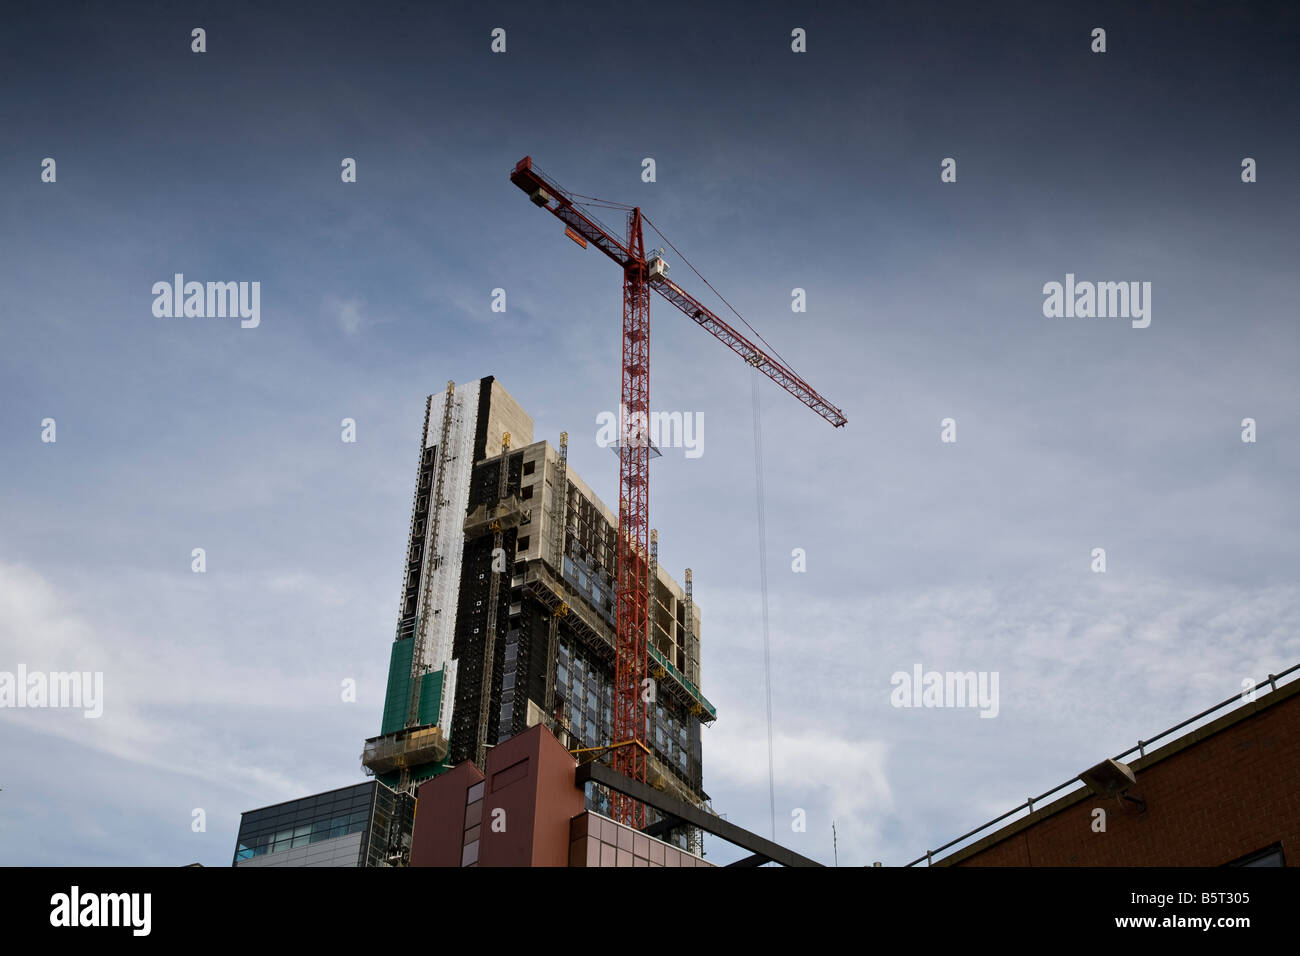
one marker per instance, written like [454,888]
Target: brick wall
[1214,795]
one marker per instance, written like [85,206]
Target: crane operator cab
[656,267]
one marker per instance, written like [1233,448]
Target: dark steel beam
[660,827]
[644,793]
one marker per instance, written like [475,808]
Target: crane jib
[583,230]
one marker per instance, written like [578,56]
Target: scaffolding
[418,665]
[414,695]
[690,638]
[559,531]
[653,591]
[494,595]
[404,750]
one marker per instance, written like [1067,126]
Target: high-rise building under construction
[507,614]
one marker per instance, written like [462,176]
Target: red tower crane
[640,275]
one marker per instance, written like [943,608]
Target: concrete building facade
[507,609]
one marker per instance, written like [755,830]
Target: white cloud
[1087,664]
[349,314]
[193,680]
[847,776]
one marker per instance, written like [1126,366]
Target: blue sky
[774,170]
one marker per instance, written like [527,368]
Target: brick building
[528,806]
[1225,793]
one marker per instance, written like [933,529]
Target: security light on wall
[1110,778]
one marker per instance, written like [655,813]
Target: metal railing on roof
[1140,749]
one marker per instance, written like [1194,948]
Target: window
[523,543]
[529,467]
[526,492]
